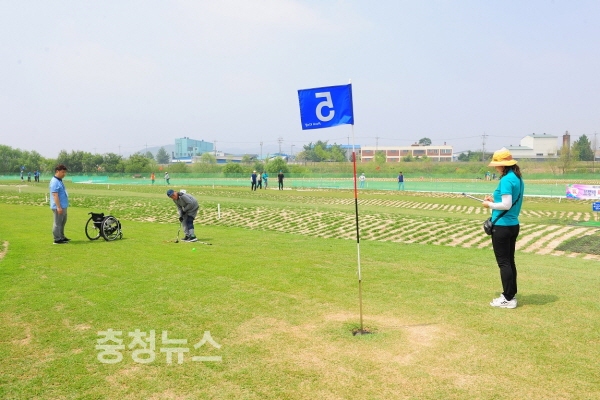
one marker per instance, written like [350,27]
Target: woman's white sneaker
[501,302]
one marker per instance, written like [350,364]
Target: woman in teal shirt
[506,206]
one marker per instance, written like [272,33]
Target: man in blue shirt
[253,180]
[400,181]
[59,202]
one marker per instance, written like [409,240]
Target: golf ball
[194,249]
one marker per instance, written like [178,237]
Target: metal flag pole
[361,330]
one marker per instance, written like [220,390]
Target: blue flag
[326,107]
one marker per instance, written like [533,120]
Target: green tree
[208,158]
[149,155]
[89,162]
[178,167]
[258,166]
[276,165]
[380,157]
[9,159]
[322,151]
[474,156]
[566,158]
[162,157]
[138,163]
[463,156]
[425,141]
[73,160]
[301,156]
[583,148]
[112,163]
[338,154]
[246,159]
[232,168]
[315,152]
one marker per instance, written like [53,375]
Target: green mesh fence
[534,187]
[449,185]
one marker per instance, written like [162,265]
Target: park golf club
[472,197]
[178,230]
[177,240]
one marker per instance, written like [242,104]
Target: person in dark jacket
[253,180]
[187,208]
[280,177]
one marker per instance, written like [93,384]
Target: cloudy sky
[115,76]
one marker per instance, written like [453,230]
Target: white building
[396,153]
[535,146]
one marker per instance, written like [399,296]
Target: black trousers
[280,185]
[504,240]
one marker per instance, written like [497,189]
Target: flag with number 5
[326,106]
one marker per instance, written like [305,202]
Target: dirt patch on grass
[325,348]
[3,249]
[26,339]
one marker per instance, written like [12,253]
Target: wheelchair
[106,226]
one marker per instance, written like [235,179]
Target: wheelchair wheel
[91,230]
[111,228]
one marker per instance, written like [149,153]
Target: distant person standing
[36,175]
[280,177]
[29,176]
[265,177]
[253,181]
[167,178]
[258,180]
[400,181]
[59,202]
[362,179]
[21,175]
[152,178]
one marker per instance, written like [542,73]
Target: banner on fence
[583,192]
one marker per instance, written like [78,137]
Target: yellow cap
[502,158]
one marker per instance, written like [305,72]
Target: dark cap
[170,192]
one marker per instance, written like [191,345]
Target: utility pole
[280,140]
[292,152]
[483,146]
[261,143]
[594,158]
[376,143]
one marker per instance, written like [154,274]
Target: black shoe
[61,241]
[185,239]
[66,239]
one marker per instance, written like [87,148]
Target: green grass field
[278,292]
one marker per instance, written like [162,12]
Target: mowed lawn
[280,309]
